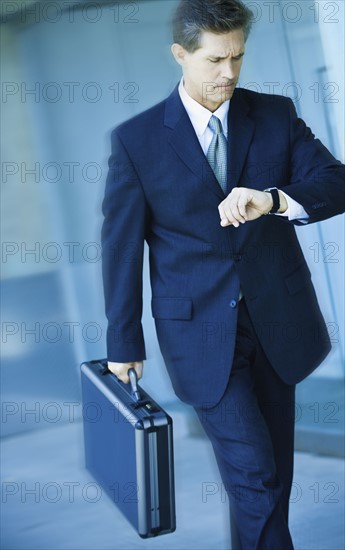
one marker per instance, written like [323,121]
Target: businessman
[214,179]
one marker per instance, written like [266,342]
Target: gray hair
[192,17]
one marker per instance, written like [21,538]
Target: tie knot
[215,125]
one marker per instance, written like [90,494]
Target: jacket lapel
[240,134]
[186,144]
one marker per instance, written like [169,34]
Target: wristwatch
[276,199]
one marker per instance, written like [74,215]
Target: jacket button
[233,303]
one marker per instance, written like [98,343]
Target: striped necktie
[217,152]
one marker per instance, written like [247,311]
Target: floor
[49,500]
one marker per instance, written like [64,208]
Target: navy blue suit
[161,189]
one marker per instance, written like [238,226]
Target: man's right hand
[121,369]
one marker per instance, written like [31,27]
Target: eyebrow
[225,57]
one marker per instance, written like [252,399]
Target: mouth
[226,86]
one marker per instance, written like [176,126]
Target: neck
[209,105]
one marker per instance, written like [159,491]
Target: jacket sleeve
[317,179]
[123,235]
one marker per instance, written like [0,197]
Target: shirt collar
[199,115]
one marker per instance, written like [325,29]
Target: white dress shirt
[200,117]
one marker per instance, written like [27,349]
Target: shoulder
[142,123]
[266,104]
[262,100]
[267,109]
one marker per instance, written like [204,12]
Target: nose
[228,71]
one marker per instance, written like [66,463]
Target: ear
[179,53]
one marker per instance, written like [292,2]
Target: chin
[226,94]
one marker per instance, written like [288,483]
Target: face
[212,71]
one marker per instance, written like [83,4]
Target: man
[229,280]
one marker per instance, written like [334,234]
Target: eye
[238,57]
[214,60]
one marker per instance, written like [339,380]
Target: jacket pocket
[172,308]
[298,279]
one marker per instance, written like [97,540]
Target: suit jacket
[161,189]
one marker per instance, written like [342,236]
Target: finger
[238,206]
[236,213]
[113,367]
[231,215]
[239,203]
[124,375]
[224,213]
[242,208]
[229,211]
[221,211]
[138,367]
[120,370]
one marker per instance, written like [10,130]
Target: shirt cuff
[295,210]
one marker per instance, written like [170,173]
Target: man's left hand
[243,205]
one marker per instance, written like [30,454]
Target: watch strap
[276,200]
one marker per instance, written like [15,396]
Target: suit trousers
[252,433]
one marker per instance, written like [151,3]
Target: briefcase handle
[133,380]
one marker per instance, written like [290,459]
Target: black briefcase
[129,448]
